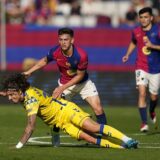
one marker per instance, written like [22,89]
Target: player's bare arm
[59,90]
[157,47]
[150,45]
[28,131]
[131,47]
[40,64]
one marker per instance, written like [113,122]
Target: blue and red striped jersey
[68,66]
[151,62]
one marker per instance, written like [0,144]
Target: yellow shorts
[73,118]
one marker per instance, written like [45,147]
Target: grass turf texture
[126,119]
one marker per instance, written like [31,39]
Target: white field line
[138,134]
[2,143]
[150,147]
[37,140]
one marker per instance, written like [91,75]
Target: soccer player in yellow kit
[62,113]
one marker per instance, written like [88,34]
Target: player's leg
[77,133]
[98,141]
[90,94]
[94,102]
[152,107]
[142,108]
[141,82]
[81,119]
[93,127]
[67,94]
[77,117]
[154,85]
[55,136]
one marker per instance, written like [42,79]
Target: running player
[147,39]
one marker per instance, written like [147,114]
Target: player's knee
[154,97]
[98,110]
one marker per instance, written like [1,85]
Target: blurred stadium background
[102,28]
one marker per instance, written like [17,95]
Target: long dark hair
[15,81]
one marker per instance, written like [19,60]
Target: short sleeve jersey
[68,66]
[52,111]
[149,63]
[38,102]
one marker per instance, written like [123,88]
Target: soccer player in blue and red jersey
[72,62]
[146,38]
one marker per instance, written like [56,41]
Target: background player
[147,39]
[62,113]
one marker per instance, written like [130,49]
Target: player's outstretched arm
[40,64]
[28,131]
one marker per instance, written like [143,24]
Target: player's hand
[57,92]
[147,42]
[26,74]
[125,59]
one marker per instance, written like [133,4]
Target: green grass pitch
[126,119]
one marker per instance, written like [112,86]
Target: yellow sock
[112,132]
[108,144]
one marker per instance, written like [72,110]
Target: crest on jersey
[146,51]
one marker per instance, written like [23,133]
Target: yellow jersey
[57,112]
